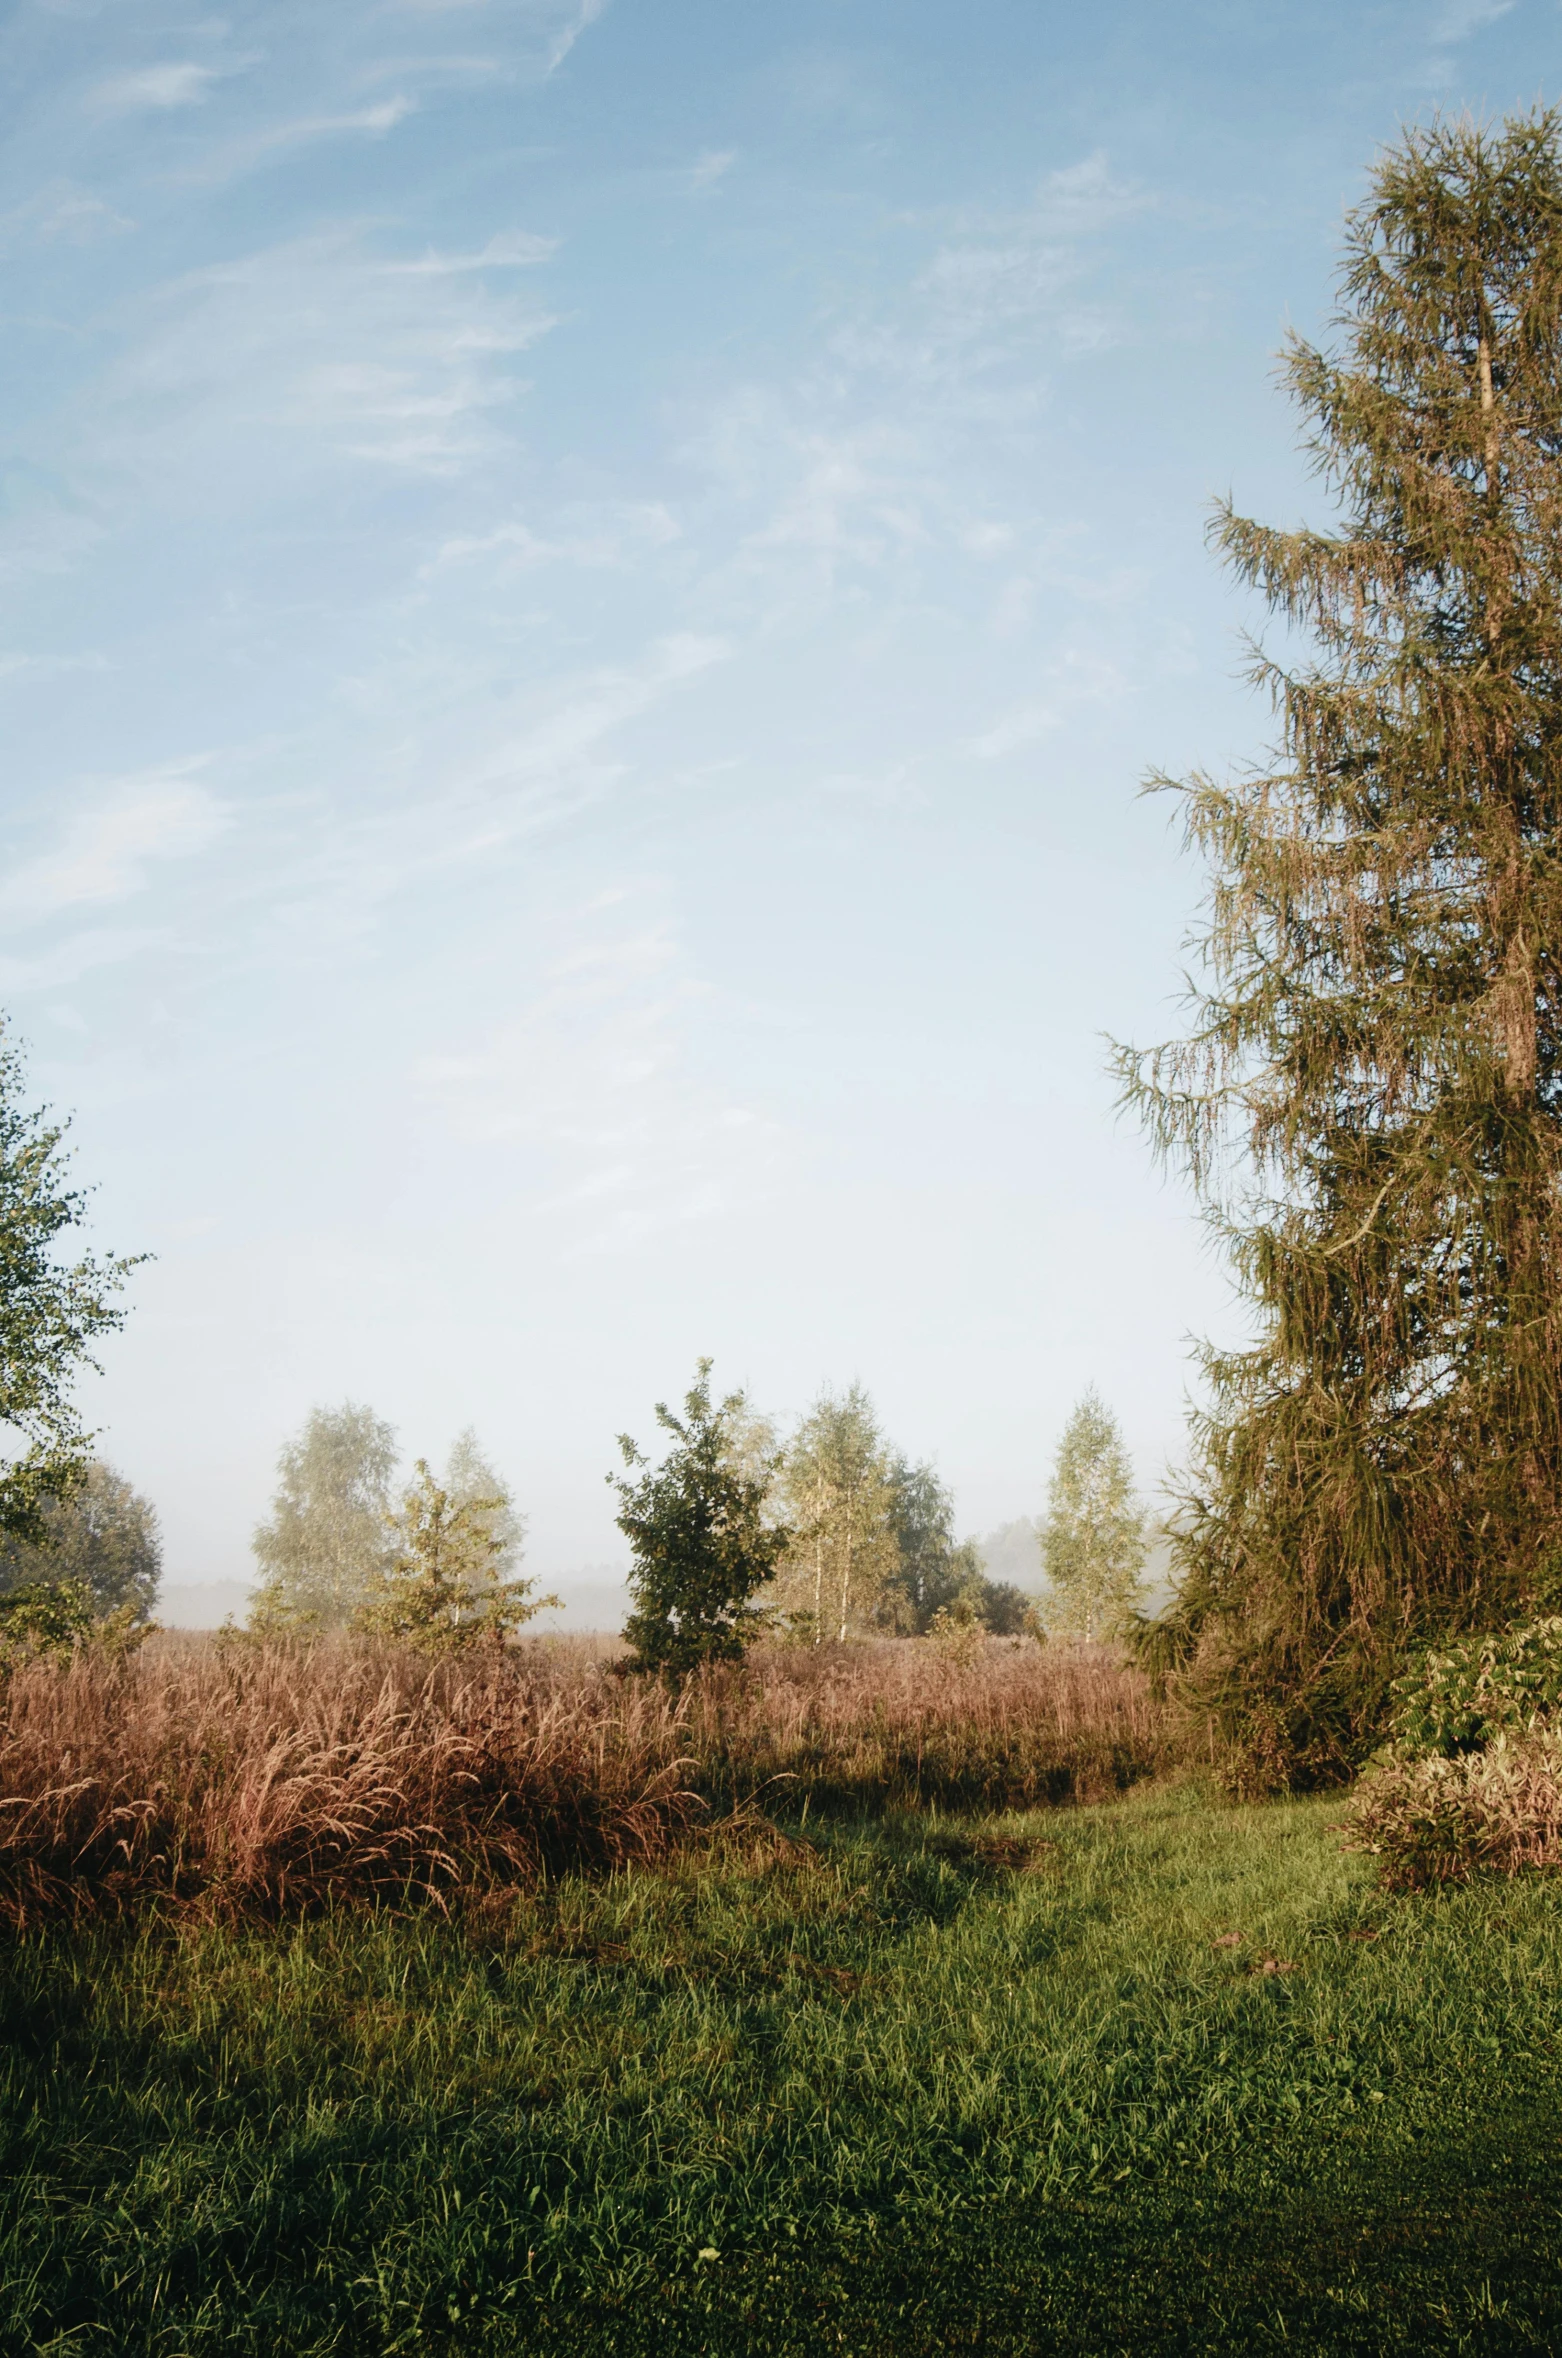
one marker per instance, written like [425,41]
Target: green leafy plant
[1441,1818]
[45,1621]
[1471,1780]
[701,1540]
[50,1314]
[1456,1698]
[100,1534]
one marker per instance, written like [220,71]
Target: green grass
[915,2101]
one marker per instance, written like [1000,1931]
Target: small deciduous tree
[100,1538]
[50,1312]
[701,1539]
[1092,1542]
[326,1542]
[836,1482]
[446,1585]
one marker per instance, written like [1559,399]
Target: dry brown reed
[274,1779]
[900,1724]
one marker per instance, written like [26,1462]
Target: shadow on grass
[1458,2253]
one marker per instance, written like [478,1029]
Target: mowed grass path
[924,2086]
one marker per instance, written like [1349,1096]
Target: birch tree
[837,1482]
[1092,1541]
[327,1538]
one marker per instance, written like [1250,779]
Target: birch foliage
[1092,1541]
[327,1540]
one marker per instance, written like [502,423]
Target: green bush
[1471,1780]
[1499,1682]
[1440,1819]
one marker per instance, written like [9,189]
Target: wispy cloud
[712,166]
[1460,18]
[106,852]
[174,84]
[61,213]
[555,744]
[867,461]
[1074,681]
[69,961]
[591,1076]
[507,772]
[312,348]
[1455,22]
[604,534]
[235,157]
[513,249]
[564,38]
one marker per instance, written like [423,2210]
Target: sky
[588,590]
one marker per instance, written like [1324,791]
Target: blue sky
[587,590]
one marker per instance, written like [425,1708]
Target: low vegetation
[1471,1780]
[1149,2078]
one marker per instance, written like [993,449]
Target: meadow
[860,2065]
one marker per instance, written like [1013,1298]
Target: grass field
[915,2085]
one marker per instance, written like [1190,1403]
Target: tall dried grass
[900,1724]
[275,1779]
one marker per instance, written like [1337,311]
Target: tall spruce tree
[1370,1098]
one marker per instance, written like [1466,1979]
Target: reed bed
[900,1725]
[270,1780]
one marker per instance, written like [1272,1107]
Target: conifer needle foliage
[1369,1098]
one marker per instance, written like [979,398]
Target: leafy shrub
[1443,1818]
[1457,1698]
[43,1621]
[443,1589]
[1472,1779]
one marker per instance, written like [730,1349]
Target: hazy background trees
[450,1577]
[1093,1538]
[873,1549]
[1011,1555]
[334,1540]
[837,1496]
[476,1486]
[327,1538]
[870,1544]
[101,1536]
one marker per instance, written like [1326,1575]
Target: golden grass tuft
[269,1780]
